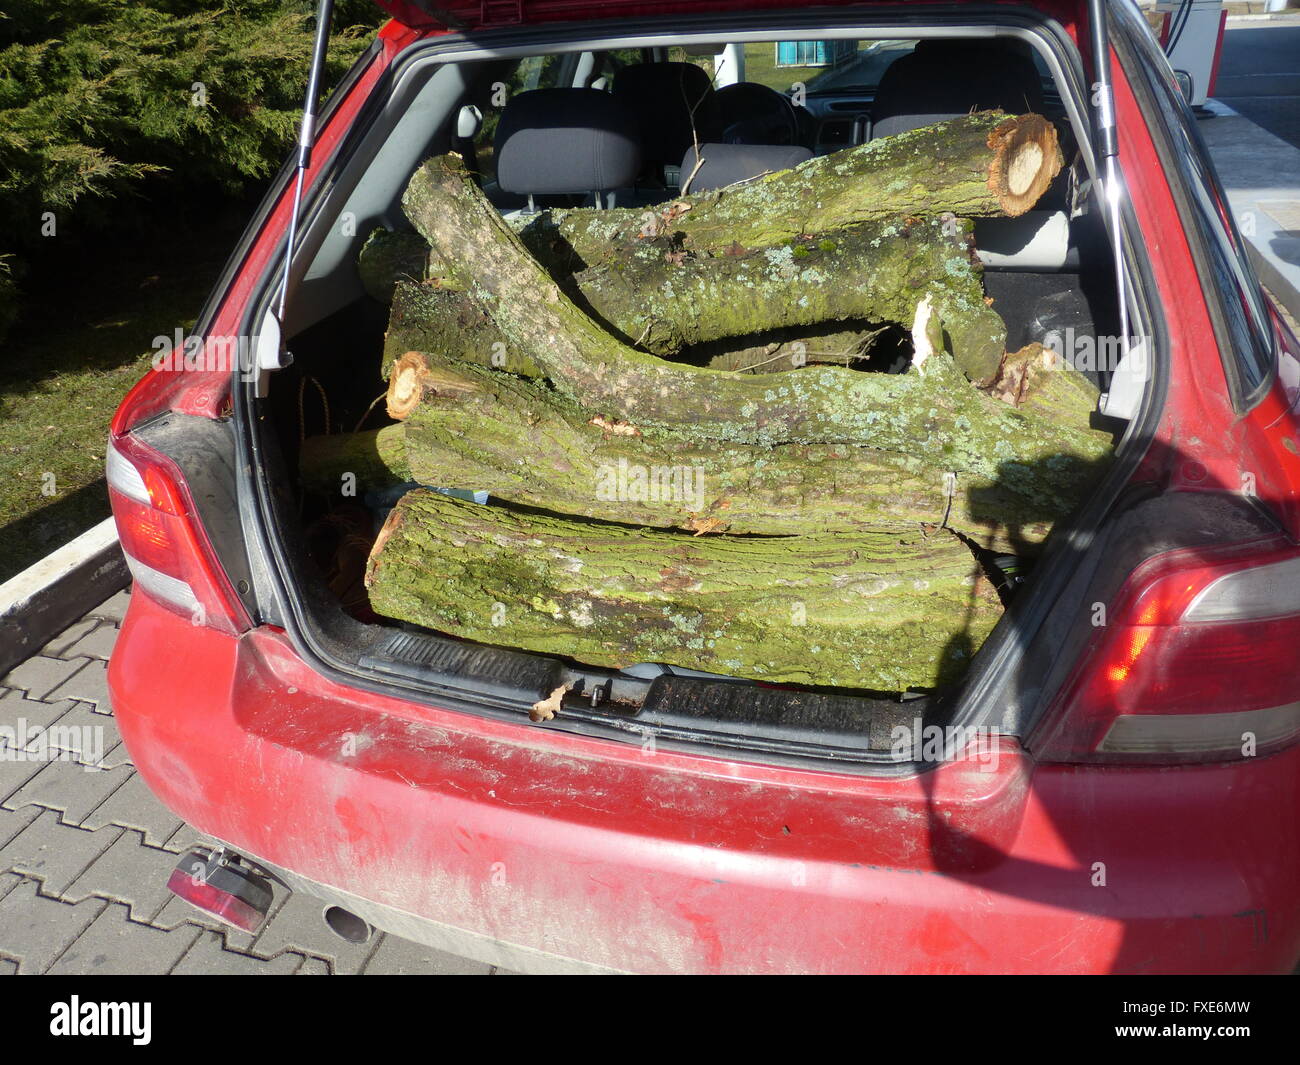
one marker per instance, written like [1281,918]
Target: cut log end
[405,384]
[1027,158]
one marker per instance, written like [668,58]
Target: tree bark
[932,412]
[663,301]
[349,464]
[979,165]
[522,442]
[878,611]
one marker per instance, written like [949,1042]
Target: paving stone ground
[85,855]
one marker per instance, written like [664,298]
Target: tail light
[1196,662]
[171,559]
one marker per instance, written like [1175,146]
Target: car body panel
[563,847]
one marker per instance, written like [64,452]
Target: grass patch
[80,345]
[760,66]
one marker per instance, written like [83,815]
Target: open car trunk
[510,542]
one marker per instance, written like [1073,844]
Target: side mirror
[1185,86]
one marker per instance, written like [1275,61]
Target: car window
[1247,338]
[821,66]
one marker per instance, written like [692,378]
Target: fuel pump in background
[1191,33]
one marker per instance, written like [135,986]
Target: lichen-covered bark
[525,443]
[388,257]
[959,166]
[663,301]
[357,462]
[844,347]
[450,323]
[879,611]
[1038,380]
[934,414]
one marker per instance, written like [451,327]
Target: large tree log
[474,429]
[875,611]
[349,464]
[931,412]
[663,302]
[979,165]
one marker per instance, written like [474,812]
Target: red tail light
[170,556]
[1196,662]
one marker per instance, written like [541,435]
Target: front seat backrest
[725,164]
[674,105]
[561,141]
[943,79]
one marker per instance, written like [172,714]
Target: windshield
[821,66]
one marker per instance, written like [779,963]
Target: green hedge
[100,98]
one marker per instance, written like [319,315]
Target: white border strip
[42,600]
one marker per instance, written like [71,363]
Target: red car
[1124,791]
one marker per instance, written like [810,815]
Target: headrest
[674,104]
[552,141]
[943,79]
[725,164]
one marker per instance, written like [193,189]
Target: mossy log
[425,317]
[349,464]
[985,164]
[522,442]
[1038,380]
[663,302]
[932,412]
[878,611]
[390,256]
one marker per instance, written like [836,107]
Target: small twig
[685,186]
[373,404]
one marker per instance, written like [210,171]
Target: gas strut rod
[1107,141]
[306,136]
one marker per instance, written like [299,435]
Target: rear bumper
[541,851]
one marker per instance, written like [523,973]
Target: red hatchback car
[1124,792]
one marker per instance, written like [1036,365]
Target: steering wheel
[755,114]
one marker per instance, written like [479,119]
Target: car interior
[640,127]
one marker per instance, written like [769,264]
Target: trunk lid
[464,15]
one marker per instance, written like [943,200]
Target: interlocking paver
[74,789]
[114,607]
[89,684]
[12,822]
[208,956]
[90,738]
[97,643]
[21,714]
[400,957]
[127,872]
[299,925]
[53,853]
[36,930]
[58,647]
[133,805]
[116,946]
[17,770]
[39,675]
